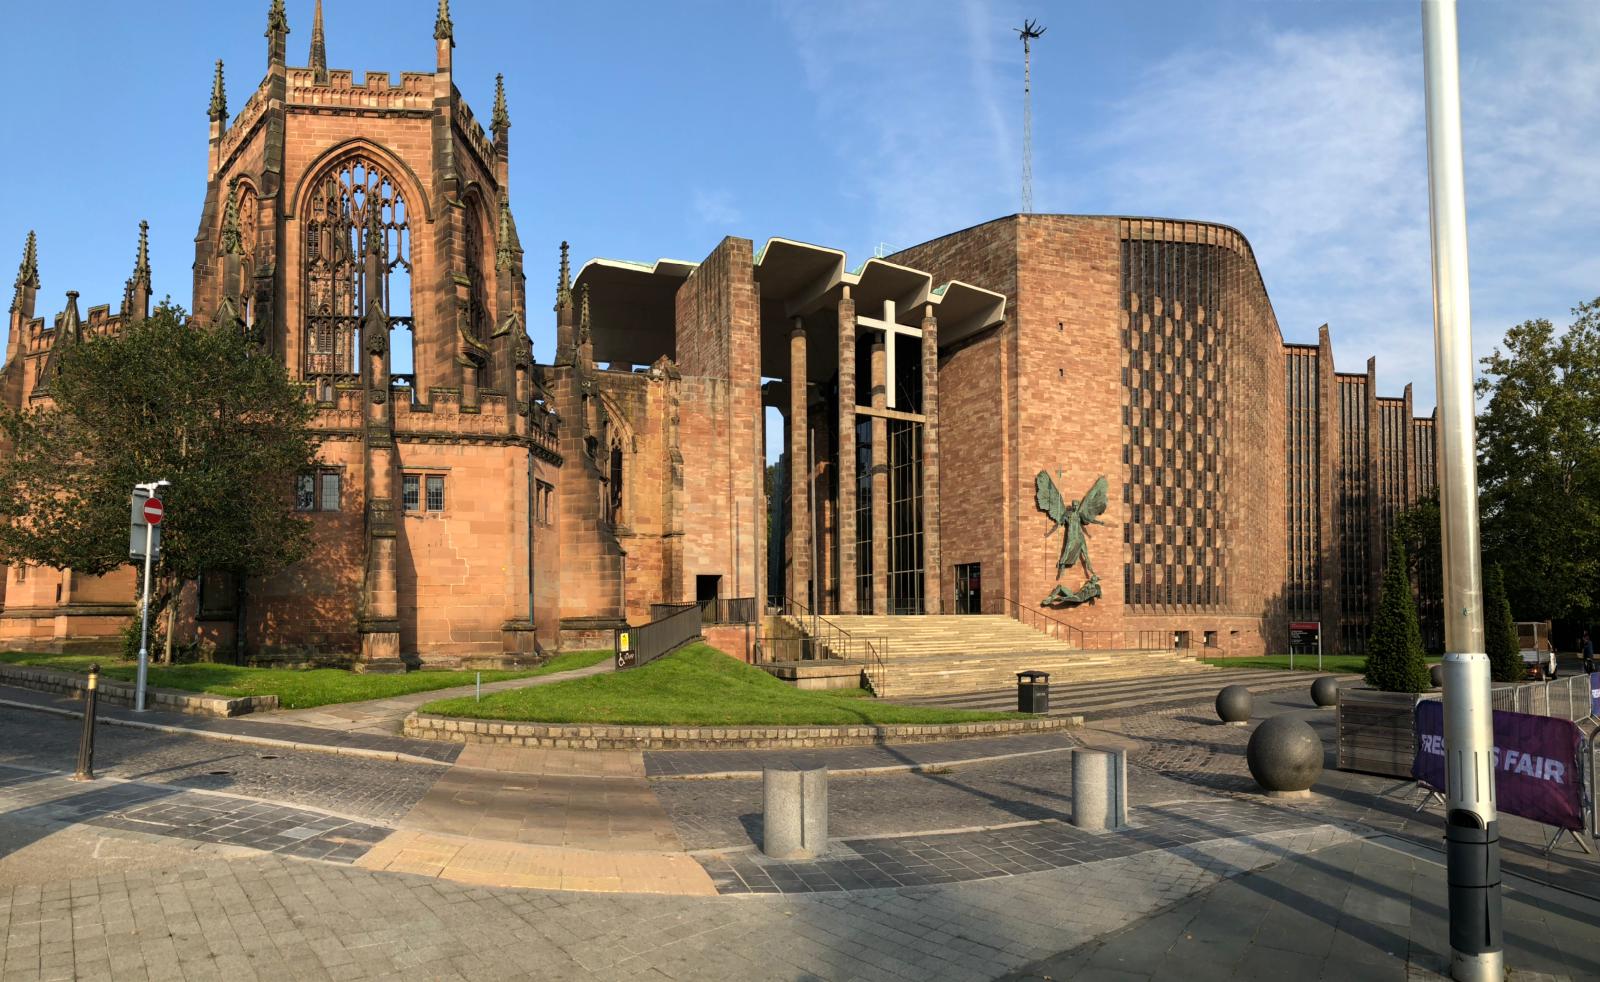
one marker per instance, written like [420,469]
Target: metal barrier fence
[641,645]
[1567,698]
[730,610]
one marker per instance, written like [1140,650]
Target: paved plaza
[194,857]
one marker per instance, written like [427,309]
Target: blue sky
[644,130]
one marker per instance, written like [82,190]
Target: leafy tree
[1539,464]
[1499,630]
[1395,662]
[1418,526]
[163,400]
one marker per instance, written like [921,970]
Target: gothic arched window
[357,252]
[478,298]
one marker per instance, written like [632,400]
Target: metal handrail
[836,641]
[1016,610]
[1077,636]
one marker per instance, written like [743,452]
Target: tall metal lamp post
[1472,831]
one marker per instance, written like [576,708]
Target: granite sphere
[1325,691]
[1285,755]
[1436,673]
[1233,704]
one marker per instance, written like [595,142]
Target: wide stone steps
[1099,698]
[939,675]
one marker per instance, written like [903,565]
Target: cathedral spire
[219,97]
[501,120]
[443,30]
[232,243]
[27,272]
[141,262]
[319,48]
[583,318]
[564,281]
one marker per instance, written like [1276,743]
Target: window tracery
[357,252]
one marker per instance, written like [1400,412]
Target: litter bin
[1033,692]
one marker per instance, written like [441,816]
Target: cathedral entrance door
[969,588]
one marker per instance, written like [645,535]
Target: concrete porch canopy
[633,305]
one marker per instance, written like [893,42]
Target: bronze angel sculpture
[1076,547]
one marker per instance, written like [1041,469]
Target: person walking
[1588,654]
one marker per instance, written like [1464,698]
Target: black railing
[820,638]
[647,642]
[732,610]
[1074,636]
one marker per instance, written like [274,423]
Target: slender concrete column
[825,525]
[932,562]
[880,482]
[846,515]
[799,469]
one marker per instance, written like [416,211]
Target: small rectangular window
[411,492]
[305,492]
[435,492]
[330,491]
[22,573]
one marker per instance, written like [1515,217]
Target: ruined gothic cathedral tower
[363,234]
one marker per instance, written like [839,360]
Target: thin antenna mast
[1029,31]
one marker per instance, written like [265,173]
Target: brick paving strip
[1031,847]
[48,801]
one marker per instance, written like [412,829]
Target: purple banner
[1537,769]
[1594,695]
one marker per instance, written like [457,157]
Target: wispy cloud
[715,208]
[912,108]
[1314,145]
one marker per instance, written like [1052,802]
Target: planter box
[1377,730]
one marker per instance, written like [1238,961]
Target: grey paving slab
[378,790]
[1224,932]
[921,860]
[47,802]
[695,763]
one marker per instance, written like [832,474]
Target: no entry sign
[153,510]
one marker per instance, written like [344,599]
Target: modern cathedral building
[950,412]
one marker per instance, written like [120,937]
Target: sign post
[144,542]
[1304,634]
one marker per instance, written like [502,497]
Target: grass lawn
[696,685]
[297,688]
[1342,664]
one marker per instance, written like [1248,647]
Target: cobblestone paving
[48,802]
[688,763]
[271,918]
[726,813]
[378,790]
[922,860]
[242,726]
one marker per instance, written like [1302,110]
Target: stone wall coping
[122,693]
[602,736]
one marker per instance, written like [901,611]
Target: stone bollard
[1285,757]
[794,815]
[1099,789]
[1325,692]
[1233,705]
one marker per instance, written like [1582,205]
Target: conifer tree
[1395,662]
[1499,630]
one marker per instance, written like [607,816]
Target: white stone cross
[890,327]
